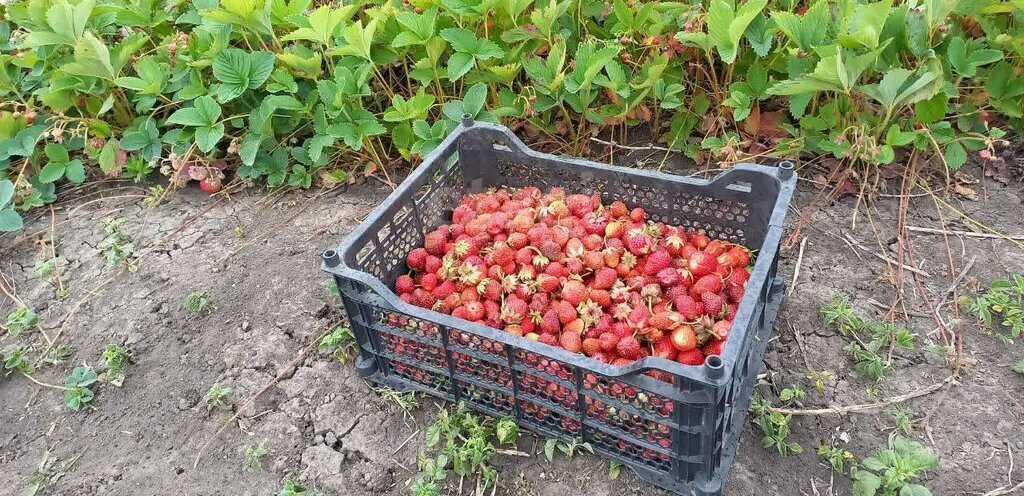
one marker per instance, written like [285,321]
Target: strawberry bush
[291,93]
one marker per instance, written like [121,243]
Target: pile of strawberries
[565,270]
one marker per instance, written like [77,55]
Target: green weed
[218,396]
[254,455]
[872,343]
[340,343]
[19,320]
[1001,307]
[117,247]
[116,358]
[466,443]
[198,302]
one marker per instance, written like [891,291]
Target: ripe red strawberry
[442,290]
[738,276]
[665,349]
[428,281]
[514,310]
[689,307]
[602,297]
[549,323]
[713,347]
[609,341]
[570,341]
[663,321]
[580,205]
[618,209]
[422,298]
[489,289]
[566,312]
[594,260]
[474,311]
[637,214]
[669,277]
[721,329]
[406,297]
[735,292]
[639,243]
[713,303]
[434,242]
[707,284]
[629,348]
[591,346]
[417,259]
[547,283]
[690,357]
[517,240]
[502,254]
[605,278]
[404,284]
[658,260]
[574,292]
[548,339]
[701,264]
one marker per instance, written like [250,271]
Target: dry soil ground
[258,259]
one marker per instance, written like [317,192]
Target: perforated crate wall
[680,435]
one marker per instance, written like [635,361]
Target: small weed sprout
[614,468]
[406,402]
[1001,308]
[569,448]
[218,396]
[15,358]
[50,470]
[254,455]
[340,343]
[198,302]
[155,196]
[837,457]
[774,425]
[872,344]
[116,358]
[292,488]
[45,268]
[118,247]
[77,383]
[820,379]
[903,419]
[20,320]
[468,443]
[890,471]
[1018,367]
[793,393]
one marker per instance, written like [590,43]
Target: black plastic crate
[681,436]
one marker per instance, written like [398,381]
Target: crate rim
[716,371]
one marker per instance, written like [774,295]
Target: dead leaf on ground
[965,192]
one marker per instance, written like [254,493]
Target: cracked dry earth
[325,426]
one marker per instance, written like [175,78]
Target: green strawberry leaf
[239,70]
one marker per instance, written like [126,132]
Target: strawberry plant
[19,320]
[77,383]
[198,302]
[568,448]
[890,471]
[1001,307]
[297,94]
[292,488]
[117,247]
[254,455]
[837,458]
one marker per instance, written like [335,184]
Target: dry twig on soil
[841,410]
